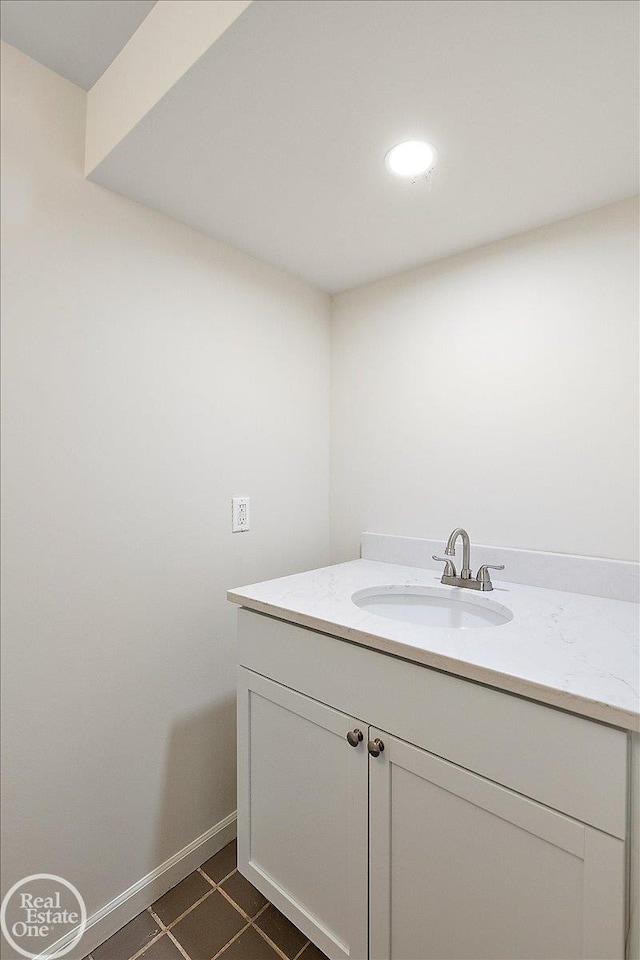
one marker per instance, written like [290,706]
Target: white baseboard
[109,919]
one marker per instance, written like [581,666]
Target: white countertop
[577,652]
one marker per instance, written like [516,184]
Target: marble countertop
[580,653]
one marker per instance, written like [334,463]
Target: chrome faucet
[450,550]
[482,581]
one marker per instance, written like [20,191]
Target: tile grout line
[261,911]
[216,883]
[142,950]
[205,876]
[178,945]
[266,937]
[249,923]
[233,903]
[170,926]
[244,915]
[154,939]
[229,942]
[157,919]
[302,949]
[258,929]
[166,930]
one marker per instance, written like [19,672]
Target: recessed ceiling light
[411,158]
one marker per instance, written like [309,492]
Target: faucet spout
[481,582]
[450,550]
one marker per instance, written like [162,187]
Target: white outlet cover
[240,514]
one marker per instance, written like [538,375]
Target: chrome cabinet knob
[355,737]
[375,747]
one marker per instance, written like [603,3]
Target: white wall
[497,390]
[150,374]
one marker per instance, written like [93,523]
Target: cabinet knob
[375,747]
[355,737]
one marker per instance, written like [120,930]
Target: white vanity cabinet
[302,812]
[487,827]
[462,868]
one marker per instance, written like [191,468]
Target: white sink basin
[432,607]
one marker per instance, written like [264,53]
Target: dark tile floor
[213,913]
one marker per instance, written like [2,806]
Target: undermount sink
[431,607]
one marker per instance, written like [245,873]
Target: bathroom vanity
[417,792]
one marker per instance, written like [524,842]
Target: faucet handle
[483,571]
[450,568]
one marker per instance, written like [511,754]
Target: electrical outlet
[239,514]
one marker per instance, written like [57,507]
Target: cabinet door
[463,869]
[302,812]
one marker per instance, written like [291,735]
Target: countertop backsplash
[594,576]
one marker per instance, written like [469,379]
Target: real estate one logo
[43,914]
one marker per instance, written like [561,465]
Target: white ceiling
[274,140]
[76,38]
